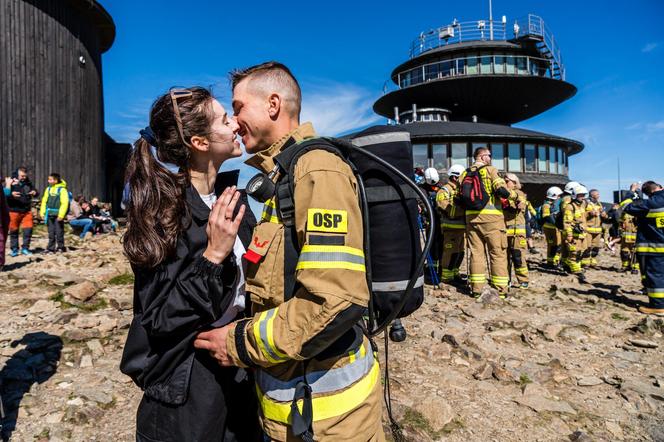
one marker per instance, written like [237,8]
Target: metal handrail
[534,66]
[486,30]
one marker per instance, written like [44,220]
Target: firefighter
[549,211]
[453,226]
[430,186]
[565,199]
[485,227]
[574,231]
[649,216]
[515,222]
[628,243]
[317,377]
[594,215]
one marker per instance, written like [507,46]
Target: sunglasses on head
[175,94]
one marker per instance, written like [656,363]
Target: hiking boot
[61,250]
[25,252]
[651,311]
[13,253]
[523,285]
[635,272]
[582,278]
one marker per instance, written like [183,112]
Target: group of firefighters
[572,221]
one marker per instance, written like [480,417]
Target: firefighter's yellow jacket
[314,334]
[452,215]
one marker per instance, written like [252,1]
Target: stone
[42,306]
[96,395]
[86,321]
[643,343]
[81,292]
[489,295]
[615,429]
[80,415]
[551,331]
[86,361]
[436,411]
[77,401]
[580,436]
[95,347]
[54,418]
[121,304]
[539,399]
[588,381]
[107,324]
[485,372]
[643,388]
[77,334]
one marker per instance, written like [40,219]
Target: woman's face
[510,184]
[223,136]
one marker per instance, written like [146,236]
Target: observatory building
[466,83]
[51,100]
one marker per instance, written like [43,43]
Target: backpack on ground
[390,203]
[473,195]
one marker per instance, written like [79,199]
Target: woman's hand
[222,228]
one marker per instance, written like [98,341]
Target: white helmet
[456,170]
[569,187]
[579,190]
[553,193]
[431,176]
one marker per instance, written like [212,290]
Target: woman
[184,252]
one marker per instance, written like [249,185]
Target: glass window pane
[431,71]
[440,156]
[561,161]
[514,161]
[485,66]
[498,156]
[553,165]
[460,154]
[499,64]
[445,68]
[522,65]
[416,75]
[471,67]
[420,156]
[461,66]
[541,158]
[510,65]
[529,157]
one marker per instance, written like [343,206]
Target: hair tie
[148,135]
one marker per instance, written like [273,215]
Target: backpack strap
[285,201]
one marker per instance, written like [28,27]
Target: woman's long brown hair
[157,211]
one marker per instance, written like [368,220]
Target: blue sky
[342,52]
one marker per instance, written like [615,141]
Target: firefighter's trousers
[516,251]
[553,244]
[575,251]
[627,255]
[652,270]
[492,236]
[454,244]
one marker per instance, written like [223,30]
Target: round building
[466,83]
[51,100]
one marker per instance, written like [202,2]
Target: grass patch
[415,420]
[125,278]
[45,434]
[98,304]
[524,380]
[619,317]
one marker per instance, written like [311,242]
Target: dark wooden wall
[51,106]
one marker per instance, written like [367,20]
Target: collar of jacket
[264,160]
[199,209]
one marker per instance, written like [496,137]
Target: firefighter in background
[549,211]
[574,231]
[565,199]
[649,215]
[453,226]
[628,243]
[594,215]
[486,227]
[531,224]
[515,223]
[431,185]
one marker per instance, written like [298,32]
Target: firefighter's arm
[531,209]
[500,188]
[638,208]
[64,204]
[568,220]
[331,273]
[443,199]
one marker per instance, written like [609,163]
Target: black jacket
[176,301]
[23,202]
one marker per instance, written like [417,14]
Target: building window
[445,68]
[553,165]
[541,158]
[420,156]
[460,154]
[561,161]
[510,64]
[522,65]
[416,75]
[498,156]
[514,160]
[485,64]
[471,67]
[529,157]
[431,71]
[499,64]
[440,156]
[460,66]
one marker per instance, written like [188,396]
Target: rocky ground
[557,362]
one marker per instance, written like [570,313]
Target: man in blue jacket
[649,214]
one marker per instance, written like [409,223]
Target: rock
[615,429]
[121,304]
[86,361]
[649,326]
[489,295]
[612,380]
[54,418]
[81,292]
[485,372]
[643,388]
[107,324]
[588,381]
[65,317]
[96,395]
[95,347]
[579,436]
[80,415]
[42,306]
[436,411]
[643,343]
[77,334]
[77,401]
[451,340]
[86,321]
[551,331]
[539,399]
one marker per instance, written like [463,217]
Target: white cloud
[337,108]
[587,135]
[656,126]
[649,47]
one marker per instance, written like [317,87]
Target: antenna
[490,20]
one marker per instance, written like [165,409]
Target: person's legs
[14,224]
[519,260]
[477,272]
[50,224]
[496,240]
[60,235]
[27,225]
[84,224]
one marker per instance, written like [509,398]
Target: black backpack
[560,215]
[473,195]
[389,201]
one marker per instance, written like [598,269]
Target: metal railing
[494,64]
[485,30]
